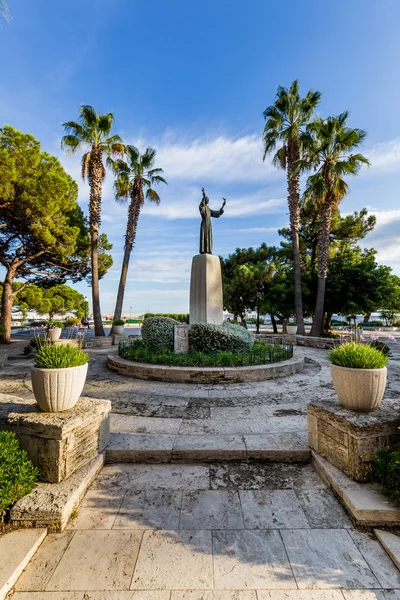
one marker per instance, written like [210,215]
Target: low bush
[2,333]
[329,334]
[204,337]
[265,354]
[291,324]
[60,356]
[181,317]
[118,322]
[72,321]
[386,470]
[55,324]
[31,347]
[158,333]
[357,356]
[18,475]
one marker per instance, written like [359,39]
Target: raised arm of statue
[218,213]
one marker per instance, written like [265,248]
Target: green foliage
[158,333]
[291,324]
[386,470]
[2,333]
[31,347]
[262,354]
[357,356]
[384,348]
[60,356]
[118,322]
[57,299]
[181,317]
[18,475]
[71,322]
[204,337]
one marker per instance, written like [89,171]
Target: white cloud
[385,156]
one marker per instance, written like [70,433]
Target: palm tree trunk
[323,259]
[293,185]
[131,228]
[95,182]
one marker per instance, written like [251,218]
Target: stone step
[16,550]
[391,543]
[135,448]
[364,501]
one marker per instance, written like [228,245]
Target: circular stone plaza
[206,492]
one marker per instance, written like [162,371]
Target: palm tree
[285,120]
[4,15]
[132,176]
[328,144]
[93,132]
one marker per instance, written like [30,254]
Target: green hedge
[18,475]
[181,317]
[386,469]
[158,333]
[207,338]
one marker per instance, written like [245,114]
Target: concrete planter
[118,329]
[359,389]
[57,390]
[291,329]
[54,333]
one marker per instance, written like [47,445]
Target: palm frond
[152,196]
[85,165]
[158,179]
[74,128]
[88,116]
[105,123]
[70,143]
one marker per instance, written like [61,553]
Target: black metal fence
[272,353]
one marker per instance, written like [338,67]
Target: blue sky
[192,79]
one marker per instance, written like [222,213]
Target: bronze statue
[206,228]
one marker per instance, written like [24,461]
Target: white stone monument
[181,338]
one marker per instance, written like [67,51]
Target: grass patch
[60,356]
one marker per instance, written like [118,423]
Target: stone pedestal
[206,304]
[58,443]
[350,440]
[181,339]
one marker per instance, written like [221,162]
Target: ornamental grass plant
[55,356]
[357,356]
[18,475]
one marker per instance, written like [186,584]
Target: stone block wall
[350,440]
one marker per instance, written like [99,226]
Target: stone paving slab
[189,564]
[327,558]
[150,509]
[391,543]
[377,558]
[211,509]
[272,509]
[16,550]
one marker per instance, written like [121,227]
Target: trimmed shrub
[55,356]
[18,475]
[72,321]
[181,317]
[158,333]
[384,348]
[204,337]
[357,356]
[386,470]
[118,322]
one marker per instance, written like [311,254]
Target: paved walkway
[234,531]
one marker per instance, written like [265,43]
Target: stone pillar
[206,304]
[181,339]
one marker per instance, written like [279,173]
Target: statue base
[206,304]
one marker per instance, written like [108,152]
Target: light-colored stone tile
[178,560]
[214,595]
[300,595]
[380,563]
[272,509]
[326,558]
[211,509]
[391,543]
[370,506]
[97,560]
[131,595]
[41,567]
[209,447]
[283,447]
[16,550]
[97,510]
[154,425]
[243,426]
[250,560]
[149,509]
[136,447]
[48,596]
[322,509]
[365,595]
[142,477]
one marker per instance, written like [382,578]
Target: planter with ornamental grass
[58,376]
[359,375]
[291,328]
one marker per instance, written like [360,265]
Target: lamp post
[130,313]
[86,306]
